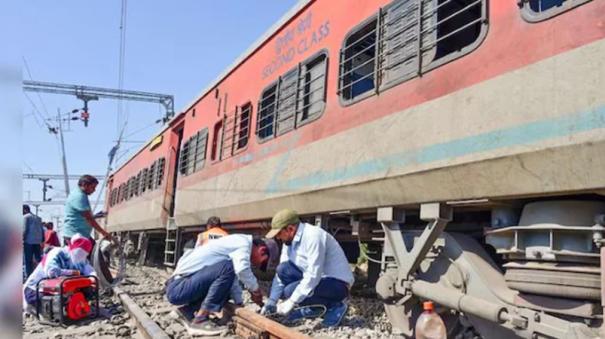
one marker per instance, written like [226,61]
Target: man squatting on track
[313,270]
[205,277]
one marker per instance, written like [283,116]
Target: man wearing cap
[313,270]
[205,277]
[60,261]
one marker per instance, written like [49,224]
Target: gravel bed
[365,318]
[113,322]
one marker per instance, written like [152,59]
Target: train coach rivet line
[249,323]
[148,327]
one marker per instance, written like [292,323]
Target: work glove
[285,307]
[269,308]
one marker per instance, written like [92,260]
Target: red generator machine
[67,299]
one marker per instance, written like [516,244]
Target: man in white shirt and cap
[313,270]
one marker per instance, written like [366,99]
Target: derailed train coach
[462,140]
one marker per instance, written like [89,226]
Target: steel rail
[149,328]
[249,323]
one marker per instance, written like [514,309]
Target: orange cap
[428,306]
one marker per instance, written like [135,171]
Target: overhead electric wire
[29,73]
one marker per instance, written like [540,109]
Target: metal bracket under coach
[555,294]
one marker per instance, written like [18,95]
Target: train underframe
[528,268]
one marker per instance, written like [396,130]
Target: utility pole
[64,160]
[45,188]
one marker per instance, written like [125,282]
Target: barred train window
[406,39]
[538,10]
[236,131]
[193,153]
[298,97]
[160,171]
[150,177]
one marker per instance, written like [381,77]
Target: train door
[177,135]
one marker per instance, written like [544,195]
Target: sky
[172,47]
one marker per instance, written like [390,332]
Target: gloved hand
[269,308]
[285,307]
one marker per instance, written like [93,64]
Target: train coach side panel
[502,121]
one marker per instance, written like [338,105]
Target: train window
[538,10]
[236,131]
[199,151]
[193,153]
[151,177]
[243,130]
[414,37]
[286,101]
[143,181]
[137,184]
[266,113]
[358,61]
[184,161]
[160,172]
[312,89]
[121,193]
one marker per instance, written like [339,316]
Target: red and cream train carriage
[359,113]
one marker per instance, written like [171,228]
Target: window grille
[121,192]
[406,39]
[143,181]
[312,89]
[298,96]
[160,172]
[266,113]
[151,177]
[193,153]
[236,130]
[137,184]
[128,188]
[539,10]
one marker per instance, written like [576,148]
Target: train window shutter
[406,27]
[286,101]
[266,113]
[358,61]
[312,89]
[539,10]
[199,150]
[236,131]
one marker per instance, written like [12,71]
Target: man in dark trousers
[206,276]
[33,239]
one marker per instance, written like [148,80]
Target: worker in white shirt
[205,277]
[313,270]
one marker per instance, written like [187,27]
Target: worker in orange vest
[213,231]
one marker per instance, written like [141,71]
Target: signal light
[84,116]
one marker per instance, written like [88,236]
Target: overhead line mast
[90,93]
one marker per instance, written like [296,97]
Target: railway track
[138,309]
[153,322]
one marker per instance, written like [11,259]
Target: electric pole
[64,160]
[45,188]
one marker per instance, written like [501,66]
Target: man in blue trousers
[313,270]
[206,276]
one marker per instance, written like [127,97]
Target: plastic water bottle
[430,325]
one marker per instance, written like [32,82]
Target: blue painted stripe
[525,134]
